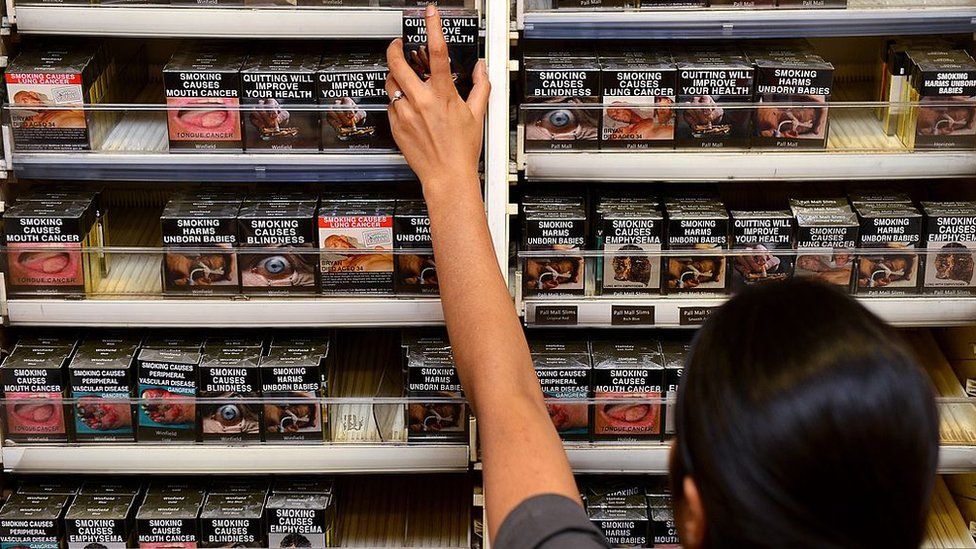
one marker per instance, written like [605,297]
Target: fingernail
[431,10]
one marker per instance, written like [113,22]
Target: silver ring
[397,95]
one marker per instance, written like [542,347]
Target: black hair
[805,422]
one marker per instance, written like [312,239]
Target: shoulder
[548,521]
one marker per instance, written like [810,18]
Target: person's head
[802,421]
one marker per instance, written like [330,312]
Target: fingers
[400,70]
[440,61]
[396,107]
[478,98]
[392,87]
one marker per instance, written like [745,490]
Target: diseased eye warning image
[282,269]
[563,122]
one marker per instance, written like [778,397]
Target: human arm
[441,137]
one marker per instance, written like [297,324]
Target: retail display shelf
[653,459]
[258,459]
[223,22]
[242,313]
[137,150]
[123,166]
[679,312]
[697,166]
[726,24]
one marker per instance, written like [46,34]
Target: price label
[694,316]
[557,315]
[628,315]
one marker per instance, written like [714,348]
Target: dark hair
[805,422]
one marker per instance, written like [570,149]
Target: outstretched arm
[441,137]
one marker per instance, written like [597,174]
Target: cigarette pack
[34,387]
[696,227]
[102,520]
[629,232]
[565,375]
[461,34]
[102,386]
[943,83]
[354,89]
[281,88]
[203,96]
[763,234]
[207,231]
[638,101]
[169,519]
[950,234]
[632,372]
[167,387]
[797,84]
[233,520]
[47,248]
[301,520]
[284,231]
[567,95]
[415,273]
[43,514]
[894,231]
[707,78]
[431,373]
[291,385]
[228,377]
[555,227]
[826,235]
[48,85]
[356,225]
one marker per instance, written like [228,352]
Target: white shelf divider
[653,459]
[881,20]
[216,22]
[257,459]
[185,313]
[695,166]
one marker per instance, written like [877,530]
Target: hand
[345,118]
[270,116]
[439,133]
[420,62]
